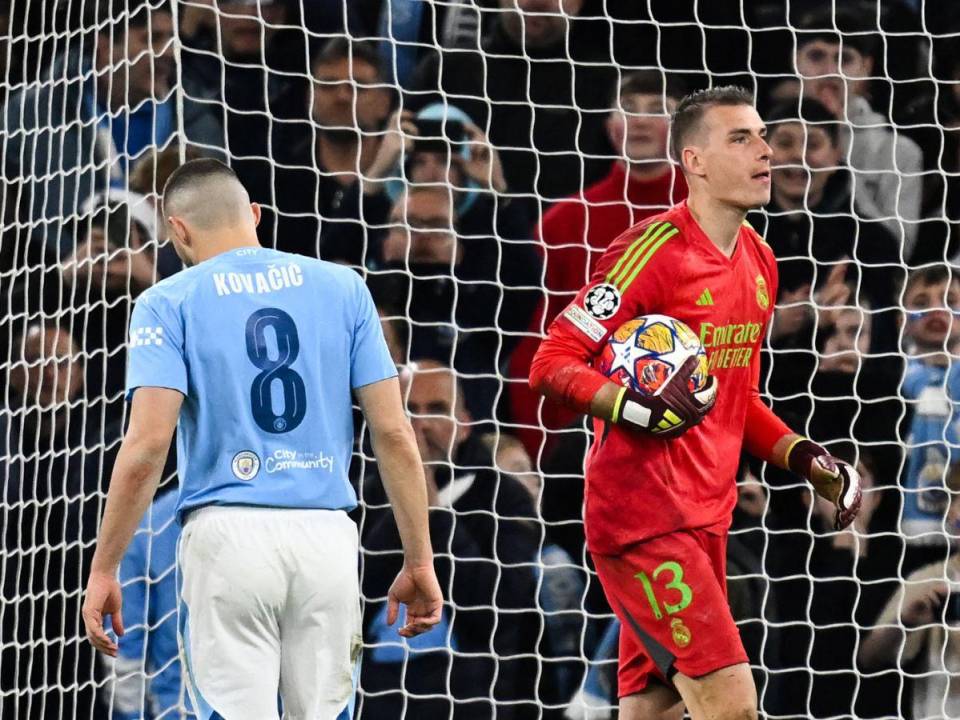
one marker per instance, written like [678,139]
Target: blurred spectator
[51,442]
[115,260]
[148,178]
[917,635]
[321,209]
[459,294]
[454,154]
[4,45]
[247,68]
[931,387]
[748,588]
[596,699]
[408,27]
[575,232]
[851,396]
[814,226]
[562,584]
[148,682]
[538,96]
[107,105]
[478,662]
[836,69]
[29,277]
[933,121]
[827,586]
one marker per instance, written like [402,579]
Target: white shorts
[269,604]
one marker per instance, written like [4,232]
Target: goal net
[472,159]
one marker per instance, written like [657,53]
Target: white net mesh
[473,160]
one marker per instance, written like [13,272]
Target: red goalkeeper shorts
[670,594]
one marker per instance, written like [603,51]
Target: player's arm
[136,474]
[561,370]
[401,470]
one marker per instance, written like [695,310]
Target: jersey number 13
[288,347]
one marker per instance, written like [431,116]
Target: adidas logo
[705,298]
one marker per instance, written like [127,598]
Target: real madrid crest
[681,633]
[763,297]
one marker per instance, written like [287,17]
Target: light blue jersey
[266,346]
[933,445]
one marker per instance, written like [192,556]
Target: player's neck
[719,221]
[222,241]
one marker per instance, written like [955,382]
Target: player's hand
[103,598]
[673,410]
[416,587]
[833,479]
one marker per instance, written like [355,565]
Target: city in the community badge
[763,297]
[602,301]
[681,633]
[245,465]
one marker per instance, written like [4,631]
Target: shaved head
[207,195]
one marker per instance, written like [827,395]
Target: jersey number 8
[288,347]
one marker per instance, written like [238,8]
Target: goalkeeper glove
[672,410]
[833,479]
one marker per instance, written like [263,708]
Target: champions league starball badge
[602,301]
[245,465]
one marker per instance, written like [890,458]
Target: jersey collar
[693,231]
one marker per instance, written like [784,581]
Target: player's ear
[257,212]
[178,230]
[692,161]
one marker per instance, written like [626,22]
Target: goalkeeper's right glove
[672,410]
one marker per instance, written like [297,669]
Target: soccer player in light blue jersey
[252,354]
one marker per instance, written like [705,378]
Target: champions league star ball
[644,353]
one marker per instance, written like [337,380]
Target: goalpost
[519,101]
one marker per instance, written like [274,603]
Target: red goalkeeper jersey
[639,487]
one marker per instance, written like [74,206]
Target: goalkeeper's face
[729,157]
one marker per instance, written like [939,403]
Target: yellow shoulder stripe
[638,254]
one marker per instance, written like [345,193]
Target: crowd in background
[473,167]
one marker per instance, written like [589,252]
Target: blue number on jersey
[288,346]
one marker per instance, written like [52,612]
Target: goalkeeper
[660,476]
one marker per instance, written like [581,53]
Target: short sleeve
[370,359]
[155,347]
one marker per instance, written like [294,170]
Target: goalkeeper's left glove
[834,479]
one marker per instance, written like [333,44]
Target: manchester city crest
[245,465]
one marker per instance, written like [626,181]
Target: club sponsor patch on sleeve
[582,320]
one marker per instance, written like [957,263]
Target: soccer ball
[644,353]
